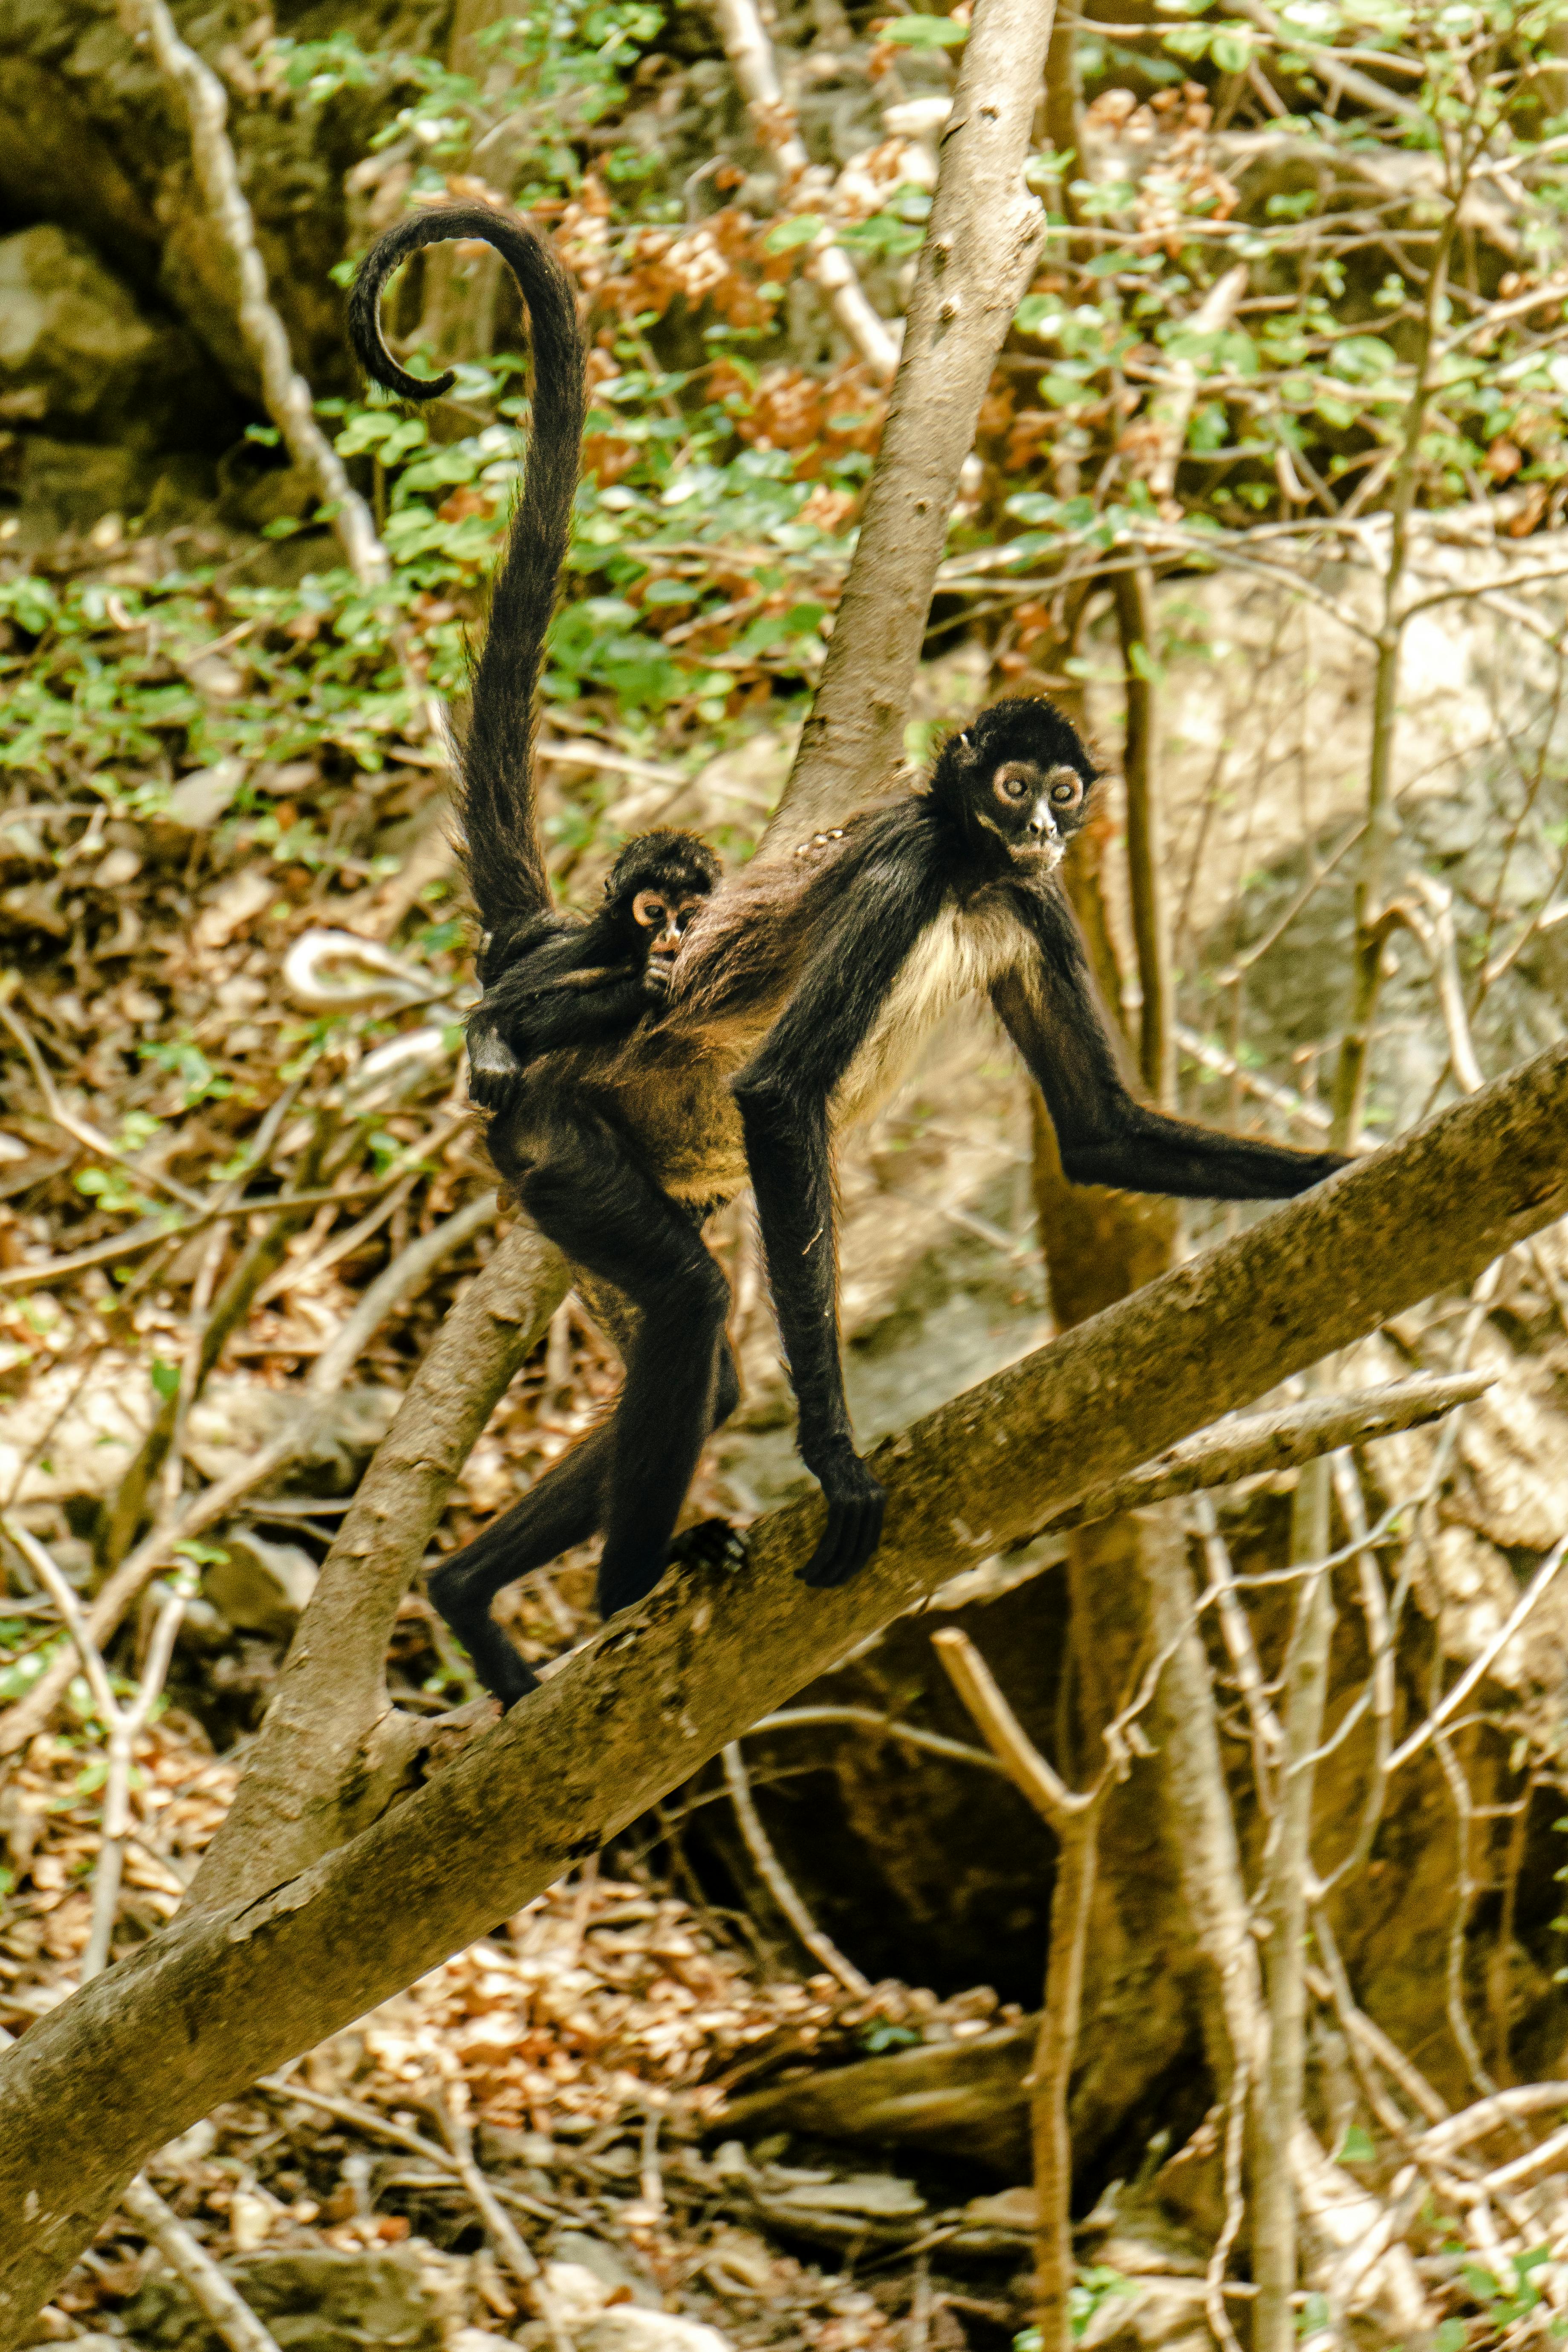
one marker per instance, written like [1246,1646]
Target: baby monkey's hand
[494,1072]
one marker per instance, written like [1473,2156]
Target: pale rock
[260,1587]
[251,2217]
[76,351]
[1011,2209]
[628,2327]
[603,2318]
[198,799]
[239,902]
[1151,2315]
[112,873]
[577,2298]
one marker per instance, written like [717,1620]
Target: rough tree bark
[158,2041]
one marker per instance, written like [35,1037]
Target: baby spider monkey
[571,982]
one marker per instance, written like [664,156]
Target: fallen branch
[211,2290]
[284,390]
[500,2227]
[373,2125]
[224,1995]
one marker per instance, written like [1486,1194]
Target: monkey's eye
[1066,788]
[1013,783]
[648,908]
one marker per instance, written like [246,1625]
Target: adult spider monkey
[802,992]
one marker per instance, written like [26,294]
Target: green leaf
[1356,2146]
[165,1379]
[926,33]
[1037,314]
[1450,2335]
[883,2036]
[801,230]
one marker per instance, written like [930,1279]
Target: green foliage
[918,32]
[1095,2284]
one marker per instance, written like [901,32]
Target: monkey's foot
[505,1675]
[711,1543]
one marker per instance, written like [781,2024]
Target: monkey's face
[661,916]
[1032,811]
[1016,780]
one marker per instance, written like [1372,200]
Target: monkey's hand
[494,1070]
[856,1502]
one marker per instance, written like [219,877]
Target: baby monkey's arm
[522,1018]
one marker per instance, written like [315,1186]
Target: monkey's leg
[565,1508]
[601,1207]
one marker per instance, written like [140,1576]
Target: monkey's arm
[784,1097]
[1106,1136]
[511,1028]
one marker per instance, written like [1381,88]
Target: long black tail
[495,797]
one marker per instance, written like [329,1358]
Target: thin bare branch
[777,1879]
[755,70]
[209,2286]
[284,390]
[331,1369]
[1480,1667]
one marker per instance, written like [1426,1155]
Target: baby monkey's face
[663,916]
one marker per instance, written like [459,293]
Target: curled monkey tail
[495,797]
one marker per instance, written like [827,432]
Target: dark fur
[576,980]
[543,971]
[495,795]
[801,988]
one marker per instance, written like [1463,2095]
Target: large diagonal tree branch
[984,233]
[223,1995]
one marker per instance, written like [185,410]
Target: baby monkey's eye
[1013,784]
[648,908]
[1066,787]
